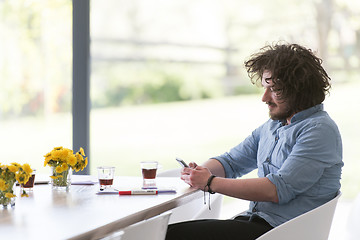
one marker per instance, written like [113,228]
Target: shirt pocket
[281,151]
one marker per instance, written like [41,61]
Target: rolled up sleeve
[317,152]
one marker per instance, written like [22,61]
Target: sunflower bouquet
[9,174]
[62,160]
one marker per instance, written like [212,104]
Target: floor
[339,230]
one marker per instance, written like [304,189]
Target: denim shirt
[303,160]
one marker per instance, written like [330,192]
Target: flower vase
[61,181]
[7,197]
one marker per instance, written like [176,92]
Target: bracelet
[209,182]
[209,189]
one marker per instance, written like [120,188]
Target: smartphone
[181,162]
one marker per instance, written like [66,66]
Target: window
[160,71]
[35,77]
[166,76]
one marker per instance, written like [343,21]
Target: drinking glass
[30,183]
[148,170]
[106,176]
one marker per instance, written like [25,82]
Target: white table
[82,214]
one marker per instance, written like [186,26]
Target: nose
[266,96]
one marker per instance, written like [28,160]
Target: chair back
[150,229]
[312,225]
[113,236]
[353,220]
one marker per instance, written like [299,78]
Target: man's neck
[288,120]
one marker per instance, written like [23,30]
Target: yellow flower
[64,167]
[16,164]
[64,153]
[10,174]
[9,195]
[56,154]
[3,185]
[13,168]
[22,177]
[79,157]
[27,168]
[63,158]
[72,161]
[81,151]
[59,169]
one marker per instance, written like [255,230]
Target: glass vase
[6,200]
[61,181]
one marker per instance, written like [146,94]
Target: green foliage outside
[134,84]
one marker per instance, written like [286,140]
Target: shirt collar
[307,112]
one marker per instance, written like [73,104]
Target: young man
[298,151]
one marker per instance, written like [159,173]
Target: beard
[279,113]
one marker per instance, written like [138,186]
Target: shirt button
[253,210]
[268,159]
[276,138]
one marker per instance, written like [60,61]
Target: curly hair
[297,74]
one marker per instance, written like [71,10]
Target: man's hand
[192,165]
[196,176]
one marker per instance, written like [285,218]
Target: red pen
[139,192]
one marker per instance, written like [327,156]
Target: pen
[139,192]
[146,192]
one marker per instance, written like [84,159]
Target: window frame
[81,78]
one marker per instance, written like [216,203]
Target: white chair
[114,236]
[150,229]
[353,221]
[196,209]
[312,225]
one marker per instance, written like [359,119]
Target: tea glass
[148,170]
[29,185]
[106,176]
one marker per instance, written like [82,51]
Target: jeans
[241,228]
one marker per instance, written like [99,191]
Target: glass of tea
[106,176]
[29,185]
[148,170]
